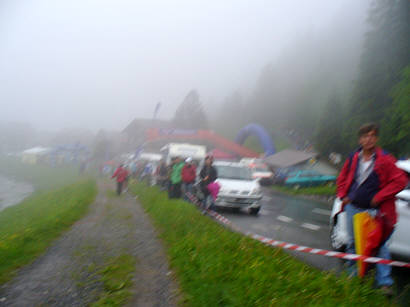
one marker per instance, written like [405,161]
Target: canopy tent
[289,157]
[221,155]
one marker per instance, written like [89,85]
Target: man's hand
[345,201]
[374,204]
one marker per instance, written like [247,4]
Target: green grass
[28,228]
[325,190]
[217,267]
[42,177]
[116,276]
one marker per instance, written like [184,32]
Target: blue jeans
[208,202]
[187,188]
[383,271]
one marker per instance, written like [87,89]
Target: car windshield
[261,168]
[233,172]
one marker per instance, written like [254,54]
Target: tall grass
[217,267]
[323,190]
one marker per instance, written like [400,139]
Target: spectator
[188,177]
[176,179]
[162,174]
[369,181]
[208,175]
[121,174]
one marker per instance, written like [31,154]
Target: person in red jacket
[369,181]
[188,177]
[122,174]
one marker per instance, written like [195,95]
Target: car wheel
[334,242]
[254,211]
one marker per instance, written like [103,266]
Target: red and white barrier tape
[301,248]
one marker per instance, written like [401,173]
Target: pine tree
[395,130]
[190,113]
[386,53]
[328,136]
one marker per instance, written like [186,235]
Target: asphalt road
[303,222]
[292,220]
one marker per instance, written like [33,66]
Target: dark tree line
[325,92]
[381,91]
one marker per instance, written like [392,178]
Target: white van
[183,150]
[238,189]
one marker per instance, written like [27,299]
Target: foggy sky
[99,64]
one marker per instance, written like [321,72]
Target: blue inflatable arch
[261,134]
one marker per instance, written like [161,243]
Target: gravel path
[66,274]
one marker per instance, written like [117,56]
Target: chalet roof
[289,157]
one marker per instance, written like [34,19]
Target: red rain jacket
[188,173]
[386,180]
[121,174]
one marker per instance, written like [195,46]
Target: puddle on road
[13,192]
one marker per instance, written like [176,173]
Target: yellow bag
[363,225]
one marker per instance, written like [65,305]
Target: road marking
[259,227]
[284,219]
[310,226]
[322,211]
[266,198]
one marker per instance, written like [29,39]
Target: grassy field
[28,228]
[217,267]
[325,190]
[42,177]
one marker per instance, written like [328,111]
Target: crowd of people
[368,182]
[179,178]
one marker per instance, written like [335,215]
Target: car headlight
[256,191]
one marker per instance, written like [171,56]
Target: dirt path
[67,275]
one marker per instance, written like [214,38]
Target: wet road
[12,192]
[292,220]
[303,222]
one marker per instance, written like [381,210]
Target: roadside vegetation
[28,228]
[116,276]
[61,197]
[218,267]
[323,190]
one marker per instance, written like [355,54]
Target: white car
[399,243]
[238,188]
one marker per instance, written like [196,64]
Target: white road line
[266,198]
[322,211]
[284,219]
[259,227]
[310,226]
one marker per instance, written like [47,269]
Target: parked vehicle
[238,188]
[260,171]
[183,150]
[399,243]
[307,178]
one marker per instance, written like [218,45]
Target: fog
[100,64]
